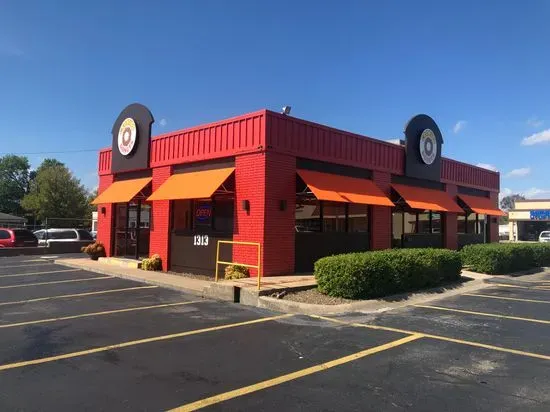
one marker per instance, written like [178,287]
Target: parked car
[17,238]
[544,237]
[46,236]
[94,234]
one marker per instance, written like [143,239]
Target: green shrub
[152,263]
[236,272]
[502,258]
[380,273]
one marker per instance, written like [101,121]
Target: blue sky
[480,69]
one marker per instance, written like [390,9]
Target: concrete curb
[251,298]
[370,306]
[154,282]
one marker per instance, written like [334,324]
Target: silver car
[46,236]
[544,237]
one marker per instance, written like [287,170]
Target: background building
[528,219]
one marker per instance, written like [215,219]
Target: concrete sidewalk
[185,284]
[224,289]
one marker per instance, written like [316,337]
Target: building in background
[10,221]
[301,190]
[528,218]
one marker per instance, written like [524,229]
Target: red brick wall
[250,176]
[279,230]
[493,226]
[160,228]
[104,221]
[450,224]
[381,230]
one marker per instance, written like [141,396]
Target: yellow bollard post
[217,259]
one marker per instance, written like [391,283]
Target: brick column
[450,226]
[381,235]
[493,220]
[250,177]
[161,211]
[105,221]
[279,225]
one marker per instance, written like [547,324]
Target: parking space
[103,343]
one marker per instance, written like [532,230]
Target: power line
[52,152]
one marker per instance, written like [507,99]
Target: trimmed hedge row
[502,258]
[375,274]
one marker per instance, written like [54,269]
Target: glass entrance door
[131,230]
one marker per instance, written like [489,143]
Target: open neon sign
[203,213]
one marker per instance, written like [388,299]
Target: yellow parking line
[437,337]
[54,282]
[493,315]
[506,298]
[39,273]
[26,266]
[203,403]
[137,342]
[75,295]
[108,312]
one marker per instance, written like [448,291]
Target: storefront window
[397,228]
[436,222]
[461,223]
[480,224]
[224,215]
[313,215]
[471,223]
[308,214]
[358,218]
[334,217]
[182,215]
[202,215]
[409,222]
[424,222]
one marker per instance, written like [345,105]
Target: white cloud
[535,122]
[535,192]
[540,137]
[487,166]
[505,191]
[521,172]
[461,124]
[163,122]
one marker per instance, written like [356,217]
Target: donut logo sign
[428,146]
[127,136]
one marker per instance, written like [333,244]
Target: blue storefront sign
[539,214]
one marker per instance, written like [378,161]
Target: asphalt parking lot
[75,339]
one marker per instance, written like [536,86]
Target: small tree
[55,192]
[509,202]
[14,183]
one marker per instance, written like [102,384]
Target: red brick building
[300,189]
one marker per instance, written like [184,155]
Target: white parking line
[40,273]
[26,266]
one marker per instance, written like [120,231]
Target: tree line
[50,191]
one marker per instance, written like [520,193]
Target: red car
[17,238]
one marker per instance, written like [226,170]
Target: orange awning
[122,191]
[482,205]
[427,199]
[192,185]
[338,188]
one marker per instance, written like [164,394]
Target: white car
[46,236]
[544,237]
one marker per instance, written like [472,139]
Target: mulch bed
[315,297]
[193,276]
